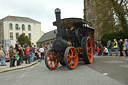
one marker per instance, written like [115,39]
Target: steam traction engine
[72,43]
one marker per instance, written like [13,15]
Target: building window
[11,36]
[0,28]
[54,32]
[23,27]
[16,26]
[29,35]
[88,16]
[47,43]
[1,36]
[88,1]
[29,28]
[44,43]
[10,26]
[17,35]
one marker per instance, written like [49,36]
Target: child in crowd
[18,58]
[98,50]
[105,52]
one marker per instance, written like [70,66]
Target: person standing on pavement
[30,52]
[126,47]
[18,58]
[109,46]
[27,57]
[2,56]
[33,53]
[22,55]
[5,56]
[115,46]
[42,52]
[17,46]
[121,47]
[12,56]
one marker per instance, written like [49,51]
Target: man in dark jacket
[109,46]
[121,47]
[17,46]
[33,53]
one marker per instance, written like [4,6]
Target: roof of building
[48,36]
[20,19]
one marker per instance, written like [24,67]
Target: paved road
[115,67]
[83,75]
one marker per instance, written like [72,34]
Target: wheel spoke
[89,54]
[51,64]
[68,55]
[49,57]
[89,47]
[48,60]
[74,60]
[68,59]
[53,53]
[70,64]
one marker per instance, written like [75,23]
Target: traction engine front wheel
[71,57]
[51,59]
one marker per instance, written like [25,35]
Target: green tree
[111,16]
[22,39]
[104,17]
[120,10]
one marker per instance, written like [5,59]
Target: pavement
[7,68]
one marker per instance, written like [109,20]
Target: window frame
[11,37]
[29,27]
[16,27]
[29,36]
[10,26]
[17,36]
[23,27]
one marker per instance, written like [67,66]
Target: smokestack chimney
[58,22]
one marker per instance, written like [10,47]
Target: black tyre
[87,50]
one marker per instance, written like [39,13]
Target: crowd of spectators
[25,54]
[112,48]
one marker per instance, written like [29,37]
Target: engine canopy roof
[76,22]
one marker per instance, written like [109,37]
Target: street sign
[7,43]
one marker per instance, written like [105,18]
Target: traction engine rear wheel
[71,57]
[87,50]
[51,59]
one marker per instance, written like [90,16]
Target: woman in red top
[27,57]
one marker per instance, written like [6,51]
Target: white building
[12,26]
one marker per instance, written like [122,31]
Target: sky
[42,10]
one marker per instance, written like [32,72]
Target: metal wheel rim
[72,58]
[52,59]
[89,50]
